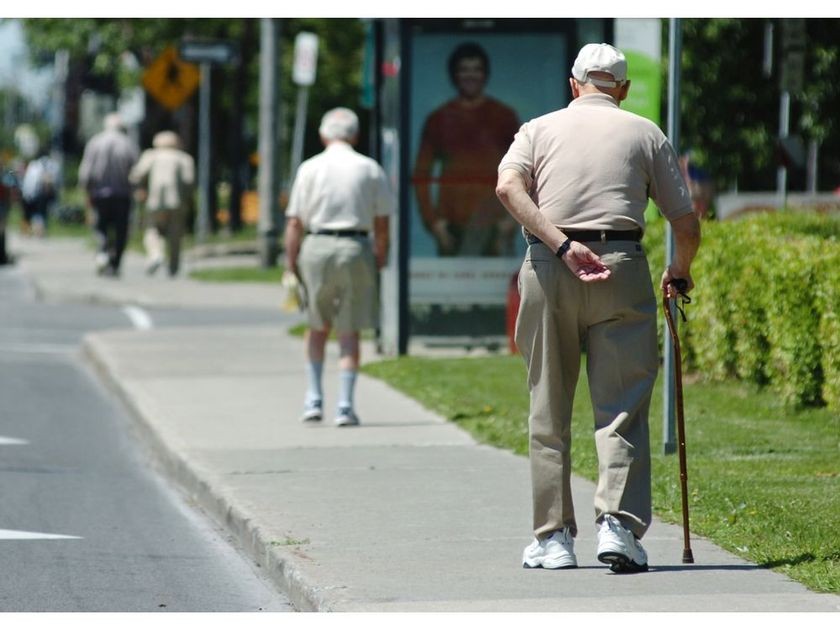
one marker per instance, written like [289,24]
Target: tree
[730,110]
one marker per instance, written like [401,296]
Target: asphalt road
[86,524]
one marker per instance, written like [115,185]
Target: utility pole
[794,40]
[269,157]
[206,53]
[669,409]
[202,218]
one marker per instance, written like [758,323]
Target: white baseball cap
[600,58]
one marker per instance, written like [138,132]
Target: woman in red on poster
[463,140]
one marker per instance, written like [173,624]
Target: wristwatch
[563,248]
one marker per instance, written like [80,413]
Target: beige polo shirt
[592,166]
[339,189]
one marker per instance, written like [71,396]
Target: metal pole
[813,156]
[784,130]
[668,399]
[202,218]
[268,180]
[300,127]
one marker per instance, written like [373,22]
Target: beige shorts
[339,273]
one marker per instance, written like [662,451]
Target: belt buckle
[603,236]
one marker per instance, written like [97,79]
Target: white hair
[339,124]
[113,122]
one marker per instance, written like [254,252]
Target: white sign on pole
[306,59]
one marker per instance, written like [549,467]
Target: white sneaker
[312,412]
[102,262]
[555,552]
[346,418]
[619,548]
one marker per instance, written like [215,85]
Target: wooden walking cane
[680,285]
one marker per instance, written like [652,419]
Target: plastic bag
[293,293]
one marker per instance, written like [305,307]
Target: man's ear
[573,85]
[625,89]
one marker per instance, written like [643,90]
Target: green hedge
[766,306]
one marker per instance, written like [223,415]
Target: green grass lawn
[239,274]
[764,480]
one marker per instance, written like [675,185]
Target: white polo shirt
[339,189]
[592,166]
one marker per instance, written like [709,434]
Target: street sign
[306,59]
[170,80]
[208,51]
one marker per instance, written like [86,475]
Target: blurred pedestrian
[38,191]
[103,173]
[578,181]
[165,174]
[338,199]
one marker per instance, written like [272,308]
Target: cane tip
[688,557]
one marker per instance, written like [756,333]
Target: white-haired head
[113,122]
[166,140]
[339,124]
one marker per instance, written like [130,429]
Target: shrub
[766,304]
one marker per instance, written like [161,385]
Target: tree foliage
[730,109]
[729,117]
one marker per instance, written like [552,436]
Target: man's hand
[585,264]
[671,273]
[440,230]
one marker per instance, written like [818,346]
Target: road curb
[279,565]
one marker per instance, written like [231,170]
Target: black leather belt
[595,235]
[348,233]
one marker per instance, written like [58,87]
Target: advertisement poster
[470,92]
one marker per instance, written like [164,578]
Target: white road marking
[14,534]
[9,441]
[140,318]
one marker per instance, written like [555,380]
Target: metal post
[813,157]
[300,127]
[202,218]
[674,54]
[784,130]
[268,180]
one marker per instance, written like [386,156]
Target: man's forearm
[511,191]
[381,240]
[291,242]
[686,240]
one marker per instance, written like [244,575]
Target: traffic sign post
[303,74]
[170,80]
[206,53]
[791,80]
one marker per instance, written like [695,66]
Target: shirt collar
[598,100]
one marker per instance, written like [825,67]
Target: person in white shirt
[339,199]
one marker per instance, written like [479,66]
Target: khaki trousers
[614,321]
[162,238]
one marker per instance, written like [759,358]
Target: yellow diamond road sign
[170,80]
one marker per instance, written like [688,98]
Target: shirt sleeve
[667,185]
[298,197]
[519,156]
[140,171]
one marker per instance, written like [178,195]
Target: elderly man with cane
[578,181]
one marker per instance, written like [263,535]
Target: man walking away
[578,181]
[167,174]
[338,198]
[103,173]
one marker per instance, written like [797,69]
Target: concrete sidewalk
[404,513]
